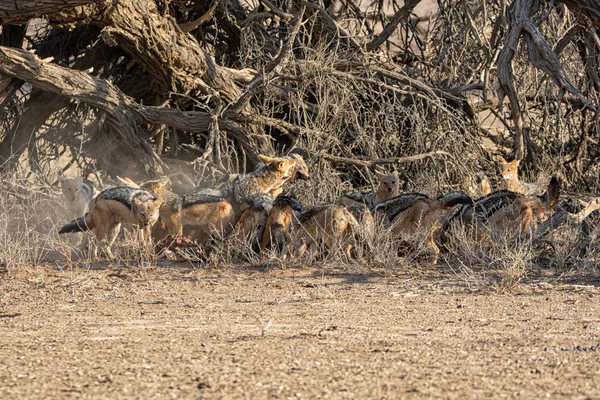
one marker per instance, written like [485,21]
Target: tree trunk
[38,108]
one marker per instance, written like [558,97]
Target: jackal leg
[433,245]
[104,237]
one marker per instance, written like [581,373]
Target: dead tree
[163,84]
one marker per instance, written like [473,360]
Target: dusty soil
[179,332]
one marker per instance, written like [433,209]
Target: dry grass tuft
[501,262]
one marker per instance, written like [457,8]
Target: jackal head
[509,170]
[285,166]
[71,187]
[283,211]
[254,212]
[552,195]
[388,183]
[146,212]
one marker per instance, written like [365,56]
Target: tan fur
[515,215]
[389,186]
[518,215]
[249,227]
[419,223]
[128,182]
[510,177]
[106,216]
[364,231]
[484,186]
[280,218]
[267,179]
[169,222]
[208,219]
[204,219]
[247,223]
[329,225]
[300,171]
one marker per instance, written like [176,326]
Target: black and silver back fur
[126,195]
[394,206]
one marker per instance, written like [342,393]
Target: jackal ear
[264,159]
[158,202]
[61,177]
[502,160]
[137,202]
[395,173]
[516,162]
[379,174]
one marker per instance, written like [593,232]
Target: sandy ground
[180,332]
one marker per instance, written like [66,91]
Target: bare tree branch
[18,12]
[396,160]
[540,54]
[403,13]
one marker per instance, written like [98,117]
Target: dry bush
[502,260]
[566,249]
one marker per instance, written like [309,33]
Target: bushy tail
[79,225]
[454,198]
[482,180]
[552,195]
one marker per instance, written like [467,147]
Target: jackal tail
[79,225]
[455,198]
[551,197]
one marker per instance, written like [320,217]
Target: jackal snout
[301,169]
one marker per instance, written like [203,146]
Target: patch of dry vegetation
[427,101]
[31,213]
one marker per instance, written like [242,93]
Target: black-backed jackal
[324,227]
[505,211]
[389,186]
[415,217]
[364,233]
[300,172]
[115,206]
[207,213]
[211,210]
[484,187]
[510,177]
[169,221]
